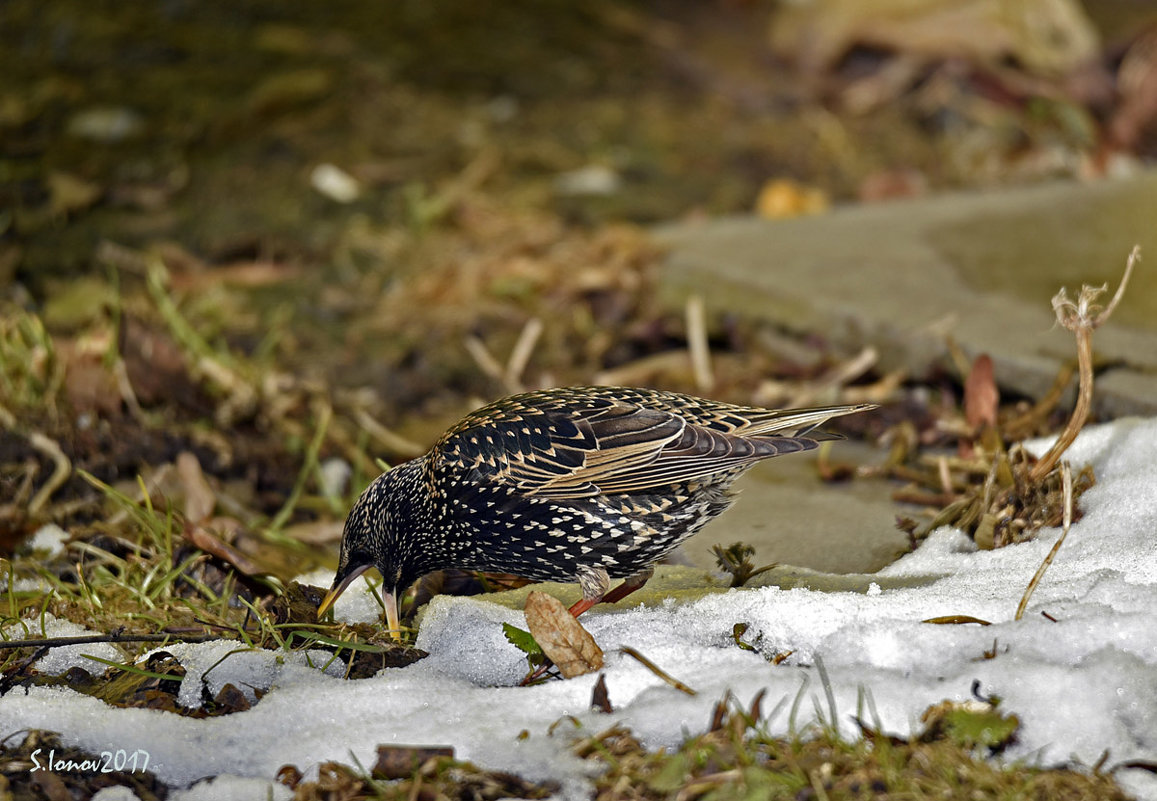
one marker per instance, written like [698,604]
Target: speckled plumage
[579,483]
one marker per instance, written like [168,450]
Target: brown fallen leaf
[200,499]
[290,776]
[88,383]
[981,395]
[1136,112]
[600,698]
[231,699]
[211,542]
[156,366]
[956,620]
[561,636]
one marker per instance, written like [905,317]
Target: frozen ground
[1080,685]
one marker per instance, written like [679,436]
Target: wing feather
[629,442]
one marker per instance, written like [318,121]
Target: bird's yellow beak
[389,599]
[339,586]
[327,601]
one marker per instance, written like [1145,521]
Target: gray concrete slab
[793,518]
[981,266]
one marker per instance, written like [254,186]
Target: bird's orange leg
[628,586]
[620,592]
[582,605]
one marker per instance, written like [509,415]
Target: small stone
[335,183]
[592,180]
[106,124]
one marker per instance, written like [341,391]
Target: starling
[579,483]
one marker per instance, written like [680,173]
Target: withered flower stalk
[1082,318]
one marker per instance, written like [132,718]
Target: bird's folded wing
[613,448]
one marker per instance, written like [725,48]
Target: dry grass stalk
[1067,483]
[644,370]
[510,375]
[388,438]
[61,470]
[520,354]
[62,467]
[834,380]
[484,358]
[698,345]
[658,671]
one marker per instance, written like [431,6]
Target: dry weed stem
[1082,317]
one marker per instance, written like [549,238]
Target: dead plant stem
[1067,485]
[658,671]
[1080,415]
[1082,317]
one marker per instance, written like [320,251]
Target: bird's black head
[382,531]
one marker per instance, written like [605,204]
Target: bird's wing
[617,447]
[750,421]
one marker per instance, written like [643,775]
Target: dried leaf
[981,396]
[156,366]
[1137,86]
[90,386]
[231,699]
[956,620]
[210,543]
[561,636]
[737,632]
[290,776]
[200,499]
[600,699]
